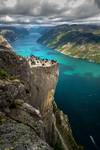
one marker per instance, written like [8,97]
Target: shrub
[3,74]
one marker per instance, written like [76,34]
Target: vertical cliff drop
[43,83]
[29,116]
[44,77]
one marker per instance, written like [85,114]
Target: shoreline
[79,58]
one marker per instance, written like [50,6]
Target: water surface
[78,89]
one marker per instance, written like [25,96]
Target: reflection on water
[78,89]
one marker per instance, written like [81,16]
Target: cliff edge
[29,117]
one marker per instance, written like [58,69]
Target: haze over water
[78,89]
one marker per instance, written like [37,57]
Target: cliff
[78,41]
[29,117]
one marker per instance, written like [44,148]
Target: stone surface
[21,125]
[29,118]
[4,43]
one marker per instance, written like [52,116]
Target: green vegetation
[58,145]
[97,32]
[2,119]
[3,74]
[89,52]
[57,38]
[78,41]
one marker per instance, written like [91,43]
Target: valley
[77,92]
[78,41]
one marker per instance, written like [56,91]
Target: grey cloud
[43,10]
[85,11]
[49,9]
[21,7]
[98,3]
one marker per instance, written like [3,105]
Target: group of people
[36,61]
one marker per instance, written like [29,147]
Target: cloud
[7,19]
[98,3]
[87,10]
[45,11]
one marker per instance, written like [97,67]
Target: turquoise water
[78,89]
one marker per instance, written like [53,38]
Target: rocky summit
[29,117]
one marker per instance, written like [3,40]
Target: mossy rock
[3,74]
[9,148]
[2,120]
[18,103]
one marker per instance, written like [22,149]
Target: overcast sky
[49,11]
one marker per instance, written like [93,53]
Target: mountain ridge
[78,41]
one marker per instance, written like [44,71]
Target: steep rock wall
[43,84]
[27,107]
[58,133]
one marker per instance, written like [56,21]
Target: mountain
[12,33]
[78,41]
[29,116]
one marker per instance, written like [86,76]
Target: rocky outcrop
[57,129]
[21,126]
[29,118]
[4,43]
[43,83]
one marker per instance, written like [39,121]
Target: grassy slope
[75,41]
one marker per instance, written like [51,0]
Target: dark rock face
[21,126]
[29,119]
[43,83]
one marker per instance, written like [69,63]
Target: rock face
[29,118]
[4,43]
[21,126]
[43,83]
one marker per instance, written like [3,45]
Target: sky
[49,11]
